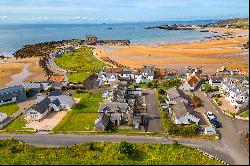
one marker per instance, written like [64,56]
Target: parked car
[215,123]
[210,115]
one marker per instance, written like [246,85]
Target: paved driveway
[152,110]
[230,131]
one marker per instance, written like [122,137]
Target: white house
[148,73]
[236,93]
[3,116]
[49,104]
[39,110]
[106,78]
[215,81]
[181,115]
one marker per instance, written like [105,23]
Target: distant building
[148,73]
[91,38]
[12,94]
[160,73]
[223,71]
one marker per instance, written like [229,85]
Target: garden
[14,152]
[83,114]
[9,109]
[158,84]
[17,124]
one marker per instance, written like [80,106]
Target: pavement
[230,131]
[155,124]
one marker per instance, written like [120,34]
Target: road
[230,131]
[155,124]
[215,148]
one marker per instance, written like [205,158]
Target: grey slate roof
[113,107]
[56,92]
[42,106]
[217,79]
[11,89]
[56,102]
[107,75]
[179,109]
[172,93]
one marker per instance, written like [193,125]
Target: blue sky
[95,11]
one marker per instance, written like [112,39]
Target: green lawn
[245,114]
[158,84]
[14,152]
[17,124]
[82,61]
[79,76]
[9,109]
[83,114]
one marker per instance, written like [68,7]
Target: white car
[210,115]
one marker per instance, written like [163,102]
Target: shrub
[197,101]
[109,126]
[175,144]
[208,88]
[126,148]
[161,91]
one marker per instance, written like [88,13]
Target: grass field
[17,124]
[82,61]
[83,114]
[9,109]
[245,114]
[16,152]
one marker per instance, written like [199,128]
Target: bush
[161,91]
[175,144]
[126,148]
[197,101]
[208,88]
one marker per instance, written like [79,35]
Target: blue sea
[15,36]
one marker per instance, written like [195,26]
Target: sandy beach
[209,54]
[16,71]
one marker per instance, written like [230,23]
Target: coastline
[15,71]
[210,53]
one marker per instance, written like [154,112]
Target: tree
[208,88]
[109,126]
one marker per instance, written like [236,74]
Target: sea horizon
[18,35]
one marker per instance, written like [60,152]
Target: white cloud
[80,18]
[3,18]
